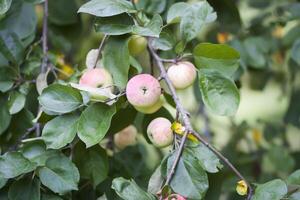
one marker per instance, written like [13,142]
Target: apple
[98,83]
[126,137]
[182,74]
[90,59]
[97,77]
[160,133]
[143,91]
[153,108]
[175,197]
[137,44]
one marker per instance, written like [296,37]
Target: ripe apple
[137,44]
[182,74]
[153,108]
[97,77]
[126,137]
[97,82]
[143,91]
[160,133]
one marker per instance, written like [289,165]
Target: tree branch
[45,38]
[44,64]
[189,129]
[100,48]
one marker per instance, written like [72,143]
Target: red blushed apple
[97,77]
[182,74]
[153,108]
[126,137]
[160,133]
[143,91]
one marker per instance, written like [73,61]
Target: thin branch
[225,160]
[45,38]
[100,48]
[189,129]
[44,65]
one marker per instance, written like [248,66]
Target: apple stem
[187,123]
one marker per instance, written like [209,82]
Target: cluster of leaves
[65,161]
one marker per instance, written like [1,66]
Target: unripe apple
[160,133]
[153,108]
[90,60]
[97,77]
[175,197]
[126,137]
[182,74]
[137,44]
[143,91]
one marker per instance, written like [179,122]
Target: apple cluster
[143,92]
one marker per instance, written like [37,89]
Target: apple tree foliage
[56,143]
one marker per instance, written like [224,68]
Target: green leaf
[190,180]
[129,190]
[20,19]
[115,25]
[11,47]
[36,152]
[272,163]
[4,116]
[106,8]
[7,76]
[295,52]
[151,29]
[60,98]
[220,57]
[3,182]
[198,14]
[176,11]
[58,14]
[272,190]
[165,42]
[60,175]
[16,102]
[206,158]
[25,189]
[294,178]
[92,163]
[50,197]
[94,123]
[122,119]
[116,60]
[134,63]
[60,131]
[4,6]
[152,6]
[295,196]
[156,181]
[219,93]
[13,164]
[256,48]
